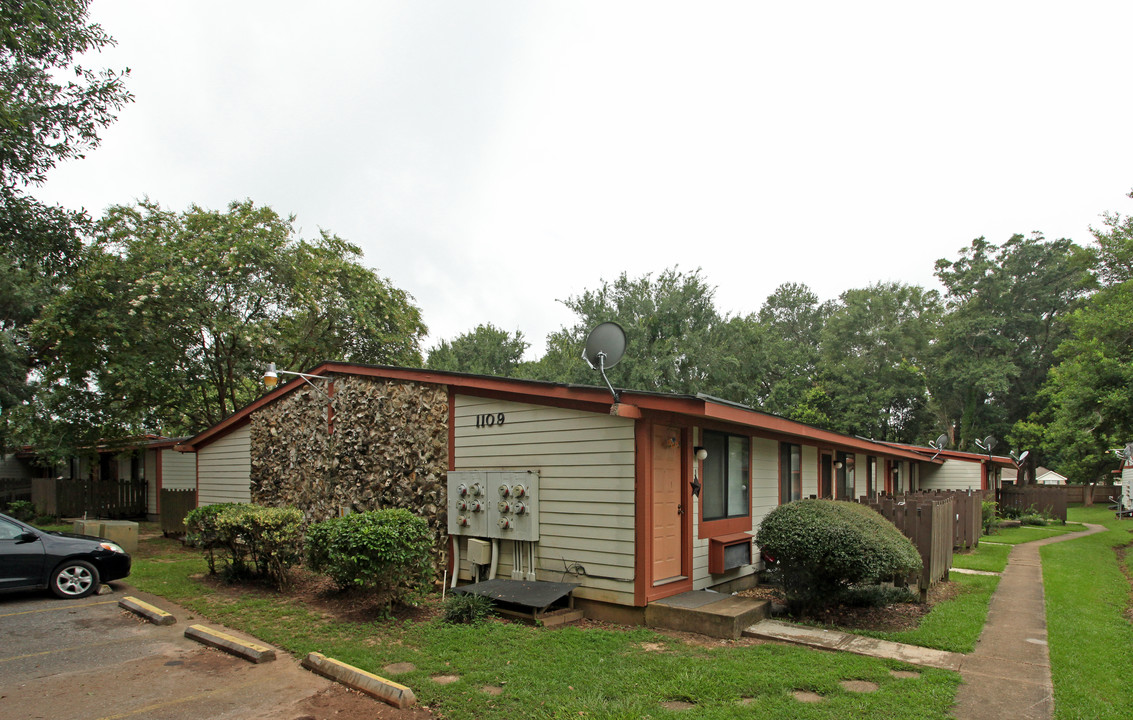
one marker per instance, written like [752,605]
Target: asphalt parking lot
[90,660]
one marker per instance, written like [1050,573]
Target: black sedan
[73,566]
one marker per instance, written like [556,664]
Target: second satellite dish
[605,346]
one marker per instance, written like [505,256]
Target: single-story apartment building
[149,458]
[637,499]
[958,470]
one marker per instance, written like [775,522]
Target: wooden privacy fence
[1089,494]
[1049,500]
[928,521]
[175,505]
[13,489]
[93,498]
[967,507]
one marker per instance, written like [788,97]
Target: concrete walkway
[1006,676]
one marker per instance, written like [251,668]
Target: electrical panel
[500,504]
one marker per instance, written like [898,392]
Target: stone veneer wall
[388,449]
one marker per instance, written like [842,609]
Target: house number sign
[489,420]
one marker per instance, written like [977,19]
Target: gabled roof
[596,399]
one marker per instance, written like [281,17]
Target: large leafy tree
[487,350]
[770,359]
[169,321]
[1006,314]
[44,119]
[1089,393]
[875,345]
[669,322]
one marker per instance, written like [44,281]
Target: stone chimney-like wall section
[387,447]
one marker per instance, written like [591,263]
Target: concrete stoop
[706,612]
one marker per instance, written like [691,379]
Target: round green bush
[385,550]
[819,548]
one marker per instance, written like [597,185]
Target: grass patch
[955,624]
[990,558]
[1087,606]
[1028,533]
[608,671]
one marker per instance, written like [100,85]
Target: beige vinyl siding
[810,470]
[951,475]
[586,477]
[224,469]
[764,498]
[13,468]
[178,470]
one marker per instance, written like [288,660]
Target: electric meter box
[479,551]
[500,504]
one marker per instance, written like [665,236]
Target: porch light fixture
[271,378]
[838,465]
[699,454]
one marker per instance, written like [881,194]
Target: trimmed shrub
[819,548]
[388,551]
[989,516]
[22,510]
[466,608]
[255,541]
[203,533]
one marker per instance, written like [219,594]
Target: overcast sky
[492,158]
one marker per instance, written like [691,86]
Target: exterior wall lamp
[271,379]
[699,454]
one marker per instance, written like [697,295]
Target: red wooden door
[668,537]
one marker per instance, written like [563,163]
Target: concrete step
[706,612]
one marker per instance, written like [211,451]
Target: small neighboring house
[963,470]
[150,459]
[613,494]
[1046,476]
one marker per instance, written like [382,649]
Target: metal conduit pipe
[495,559]
[455,560]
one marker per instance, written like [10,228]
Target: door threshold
[667,581]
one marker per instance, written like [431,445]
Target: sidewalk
[1006,676]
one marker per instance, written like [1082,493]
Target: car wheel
[74,579]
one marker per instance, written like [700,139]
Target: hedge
[820,548]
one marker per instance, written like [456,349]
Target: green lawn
[1027,533]
[611,672]
[1090,637]
[954,624]
[987,557]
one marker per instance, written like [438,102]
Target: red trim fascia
[158,481]
[1001,460]
[827,438]
[585,398]
[686,501]
[451,428]
[643,520]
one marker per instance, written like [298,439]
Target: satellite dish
[605,346]
[1020,458]
[939,445]
[987,445]
[1127,454]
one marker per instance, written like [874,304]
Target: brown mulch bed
[889,618]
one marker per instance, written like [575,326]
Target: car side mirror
[26,538]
